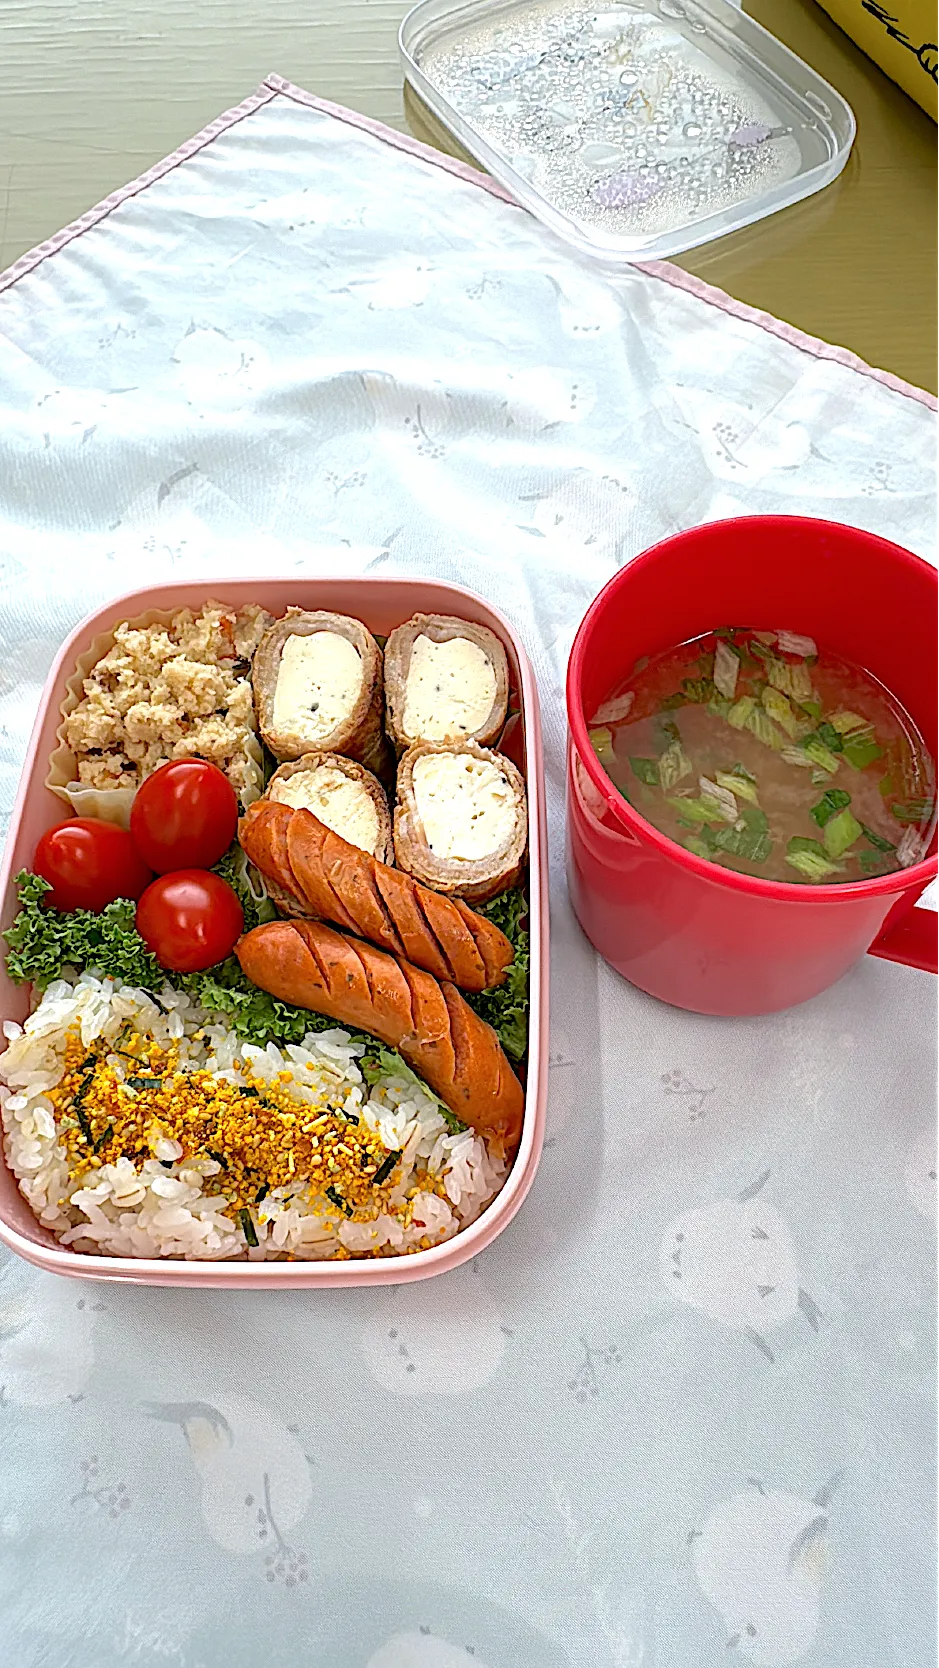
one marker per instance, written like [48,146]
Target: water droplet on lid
[628,77]
[607,25]
[600,156]
[692,130]
[671,8]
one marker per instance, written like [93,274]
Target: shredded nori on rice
[337,1200]
[385,1168]
[250,1232]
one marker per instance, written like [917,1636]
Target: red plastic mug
[679,927]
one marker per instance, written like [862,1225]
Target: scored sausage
[309,965]
[341,883]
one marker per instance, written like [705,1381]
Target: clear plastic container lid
[633,130]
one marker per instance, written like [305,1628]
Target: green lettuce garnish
[248,883]
[505,1007]
[44,944]
[380,1062]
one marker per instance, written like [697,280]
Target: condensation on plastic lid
[636,130]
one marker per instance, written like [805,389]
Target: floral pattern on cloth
[681,1413]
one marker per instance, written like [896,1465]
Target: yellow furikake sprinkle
[260,1136]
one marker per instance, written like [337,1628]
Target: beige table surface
[92,94]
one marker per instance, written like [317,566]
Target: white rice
[124,1209]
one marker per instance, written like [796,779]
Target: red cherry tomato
[190,920]
[90,863]
[184,816]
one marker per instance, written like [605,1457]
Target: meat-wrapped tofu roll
[318,684]
[461,821]
[343,794]
[445,680]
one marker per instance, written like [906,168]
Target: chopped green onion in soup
[831,802]
[740,711]
[615,710]
[800,687]
[841,833]
[845,722]
[601,741]
[752,750]
[811,859]
[726,669]
[861,750]
[792,643]
[739,782]
[760,724]
[674,764]
[777,705]
[818,754]
[723,797]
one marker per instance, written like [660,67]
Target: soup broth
[761,752]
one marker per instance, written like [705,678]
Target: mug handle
[912,938]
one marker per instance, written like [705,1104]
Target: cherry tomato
[90,863]
[190,920]
[184,816]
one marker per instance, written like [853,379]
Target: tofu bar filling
[450,689]
[465,804]
[318,683]
[339,801]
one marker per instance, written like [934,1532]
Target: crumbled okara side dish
[138,1127]
[169,691]
[761,752]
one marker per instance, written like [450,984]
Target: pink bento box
[381,603]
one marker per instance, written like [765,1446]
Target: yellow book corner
[900,36]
